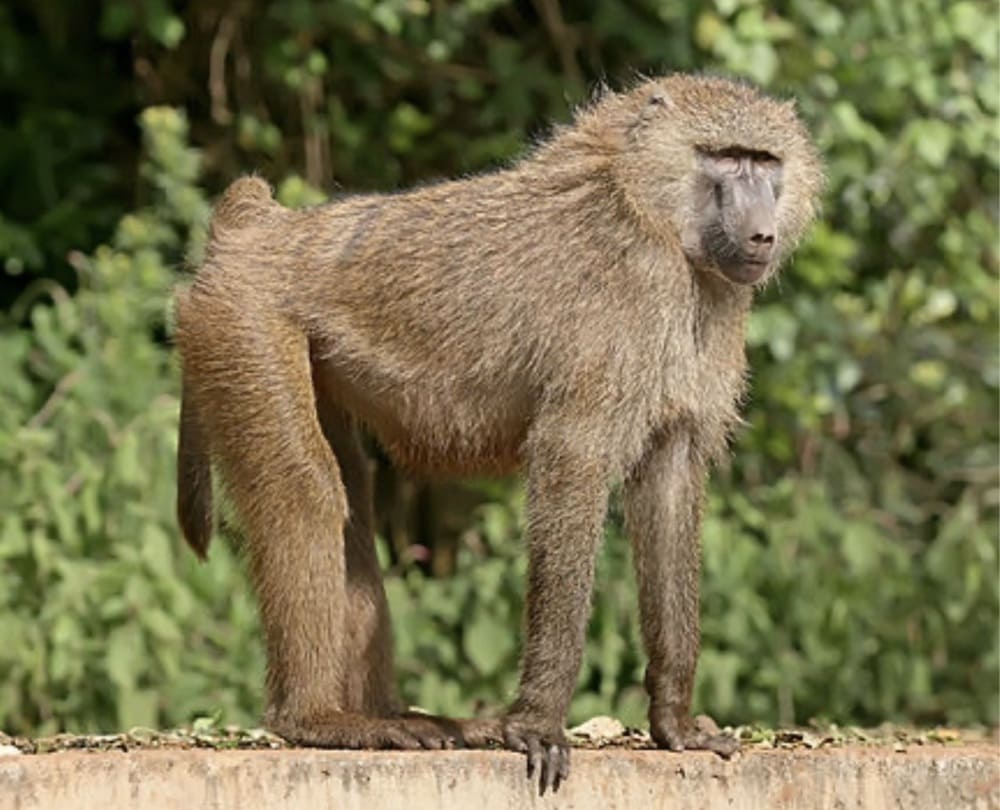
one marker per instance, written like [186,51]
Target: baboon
[579,314]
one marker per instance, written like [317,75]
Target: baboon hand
[546,748]
[680,733]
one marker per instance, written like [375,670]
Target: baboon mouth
[747,271]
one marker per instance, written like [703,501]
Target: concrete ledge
[936,778]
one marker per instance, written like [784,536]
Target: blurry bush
[105,624]
[851,548]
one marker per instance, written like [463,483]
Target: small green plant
[107,624]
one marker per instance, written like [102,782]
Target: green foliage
[64,169]
[809,611]
[851,548]
[105,624]
[458,639]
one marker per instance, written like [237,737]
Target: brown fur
[554,315]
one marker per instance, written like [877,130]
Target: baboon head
[730,172]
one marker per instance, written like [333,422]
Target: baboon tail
[246,201]
[194,480]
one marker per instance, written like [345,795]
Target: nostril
[761,239]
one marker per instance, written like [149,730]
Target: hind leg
[369,685]
[370,681]
[251,376]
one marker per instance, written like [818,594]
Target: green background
[850,552]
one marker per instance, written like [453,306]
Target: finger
[534,756]
[513,742]
[562,774]
[550,769]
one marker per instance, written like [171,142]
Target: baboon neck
[721,312]
[723,297]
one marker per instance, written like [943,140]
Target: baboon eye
[769,166]
[720,164]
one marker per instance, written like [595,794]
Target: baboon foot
[356,731]
[691,734]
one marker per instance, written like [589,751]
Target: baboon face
[731,173]
[737,192]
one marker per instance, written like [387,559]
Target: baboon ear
[660,98]
[657,102]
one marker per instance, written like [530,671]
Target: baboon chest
[703,372]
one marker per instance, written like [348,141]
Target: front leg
[663,505]
[567,502]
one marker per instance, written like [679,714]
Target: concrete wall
[935,778]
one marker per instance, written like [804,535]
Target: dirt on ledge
[219,768]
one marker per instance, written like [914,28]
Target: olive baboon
[580,313]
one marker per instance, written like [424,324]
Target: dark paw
[547,751]
[486,733]
[344,730]
[430,732]
[699,734]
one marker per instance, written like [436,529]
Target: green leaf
[123,658]
[933,141]
[486,642]
[138,708]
